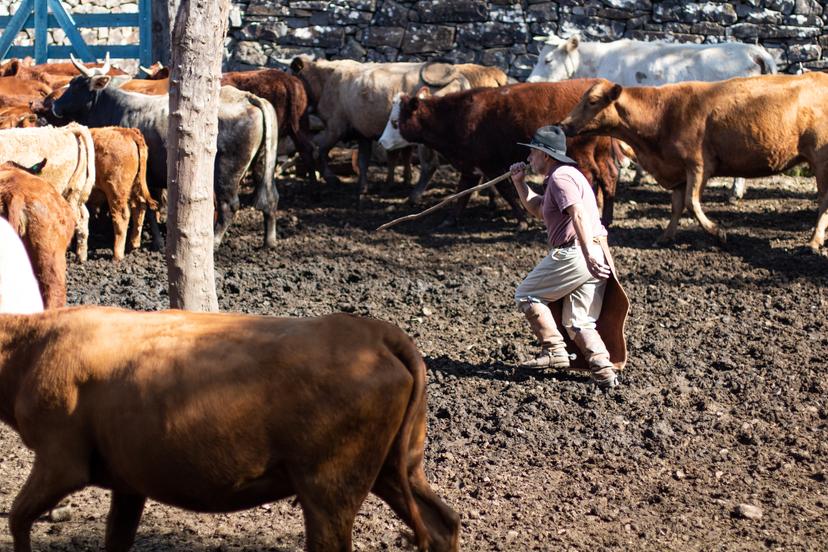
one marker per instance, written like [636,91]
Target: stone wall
[499,32]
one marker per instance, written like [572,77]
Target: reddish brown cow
[220,412]
[45,223]
[17,117]
[121,181]
[54,75]
[685,133]
[478,131]
[19,92]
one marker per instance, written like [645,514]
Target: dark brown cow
[218,413]
[685,133]
[478,132]
[45,223]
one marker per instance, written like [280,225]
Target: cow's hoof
[271,244]
[664,242]
[522,226]
[60,514]
[333,181]
[721,236]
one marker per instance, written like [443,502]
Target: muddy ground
[723,402]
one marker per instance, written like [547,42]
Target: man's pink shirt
[566,186]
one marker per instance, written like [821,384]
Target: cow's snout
[567,127]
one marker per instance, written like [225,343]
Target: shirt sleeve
[566,191]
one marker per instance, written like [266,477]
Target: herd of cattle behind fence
[76,136]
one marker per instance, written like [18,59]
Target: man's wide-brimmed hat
[551,140]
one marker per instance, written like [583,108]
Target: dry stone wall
[499,32]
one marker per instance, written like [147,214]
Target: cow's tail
[405,350]
[765,61]
[267,198]
[140,182]
[83,178]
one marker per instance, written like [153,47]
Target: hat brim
[551,153]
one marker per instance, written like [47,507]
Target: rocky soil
[715,440]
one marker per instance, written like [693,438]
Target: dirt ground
[723,402]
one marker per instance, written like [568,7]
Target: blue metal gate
[35,14]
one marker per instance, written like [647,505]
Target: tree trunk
[163,17]
[195,74]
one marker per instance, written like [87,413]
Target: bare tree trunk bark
[163,17]
[195,74]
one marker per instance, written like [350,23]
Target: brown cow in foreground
[44,222]
[121,181]
[219,413]
[685,133]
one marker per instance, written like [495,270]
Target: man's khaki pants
[563,274]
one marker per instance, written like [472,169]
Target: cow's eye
[394,124]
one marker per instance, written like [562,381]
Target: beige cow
[70,169]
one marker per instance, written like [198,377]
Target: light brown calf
[685,133]
[121,181]
[45,223]
[218,413]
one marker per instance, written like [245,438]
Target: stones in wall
[500,32]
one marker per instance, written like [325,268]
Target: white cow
[637,63]
[19,292]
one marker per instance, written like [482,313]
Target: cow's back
[27,146]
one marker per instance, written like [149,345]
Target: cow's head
[558,60]
[82,92]
[391,138]
[156,71]
[305,68]
[596,112]
[409,123]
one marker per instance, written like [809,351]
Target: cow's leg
[428,166]
[737,189]
[226,212]
[608,183]
[120,225]
[467,180]
[677,202]
[442,524]
[122,522]
[138,214]
[507,190]
[696,179]
[405,160]
[818,237]
[364,161]
[326,140]
[48,482]
[82,234]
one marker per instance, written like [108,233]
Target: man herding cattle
[578,264]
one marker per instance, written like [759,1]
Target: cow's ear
[99,82]
[423,93]
[14,67]
[615,92]
[297,65]
[573,43]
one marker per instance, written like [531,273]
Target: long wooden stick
[449,199]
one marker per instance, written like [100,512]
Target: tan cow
[17,117]
[17,92]
[44,221]
[71,166]
[352,97]
[218,413]
[685,133]
[121,181]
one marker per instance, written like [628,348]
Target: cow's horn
[541,38]
[84,70]
[145,70]
[106,66]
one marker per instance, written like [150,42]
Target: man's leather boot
[553,350]
[602,371]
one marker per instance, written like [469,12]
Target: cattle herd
[77,136]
